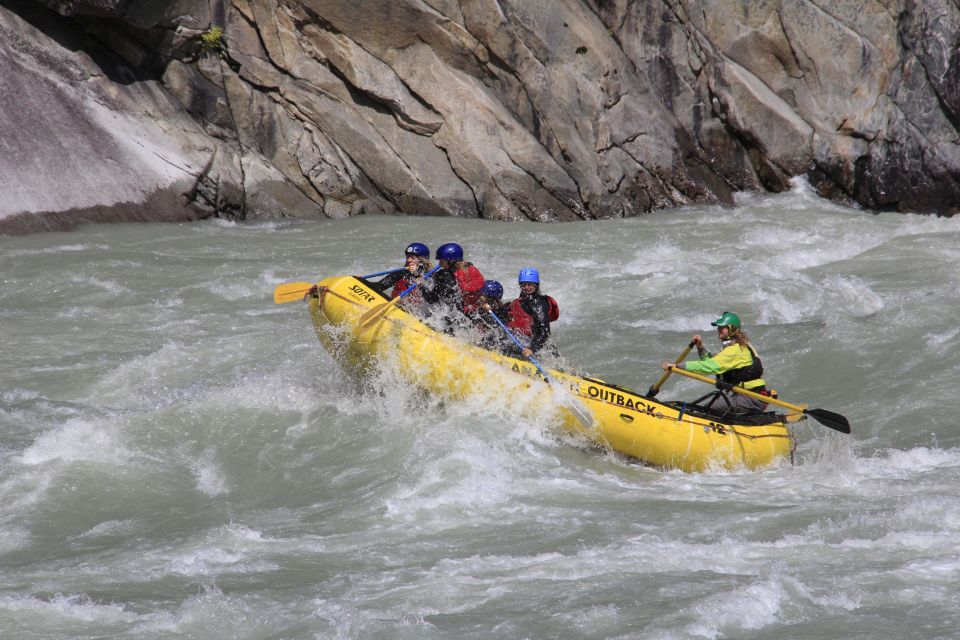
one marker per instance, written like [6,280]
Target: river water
[180,459]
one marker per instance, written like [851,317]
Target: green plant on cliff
[211,40]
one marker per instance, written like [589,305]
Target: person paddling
[531,314]
[737,363]
[457,284]
[491,304]
[417,263]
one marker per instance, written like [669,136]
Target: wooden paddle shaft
[742,391]
[680,358]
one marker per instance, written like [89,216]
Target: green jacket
[732,357]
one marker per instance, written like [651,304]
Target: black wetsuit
[537,306]
[386,283]
[493,336]
[445,290]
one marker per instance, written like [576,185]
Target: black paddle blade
[830,419]
[652,392]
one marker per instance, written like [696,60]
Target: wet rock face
[503,109]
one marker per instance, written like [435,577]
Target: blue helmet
[450,251]
[529,275]
[418,249]
[491,289]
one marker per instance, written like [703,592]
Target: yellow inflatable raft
[665,435]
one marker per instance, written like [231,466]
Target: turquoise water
[180,459]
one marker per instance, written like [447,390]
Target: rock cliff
[548,110]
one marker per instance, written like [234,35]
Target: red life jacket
[401,285]
[470,281]
[522,322]
[404,283]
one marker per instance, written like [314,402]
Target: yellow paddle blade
[376,313]
[290,291]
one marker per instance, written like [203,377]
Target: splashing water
[180,458]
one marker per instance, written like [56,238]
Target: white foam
[109,286]
[213,614]
[210,478]
[750,607]
[228,549]
[851,295]
[59,248]
[73,313]
[223,223]
[902,464]
[17,395]
[474,475]
[108,528]
[936,340]
[12,536]
[233,289]
[78,439]
[593,619]
[60,609]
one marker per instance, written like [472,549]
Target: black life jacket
[744,374]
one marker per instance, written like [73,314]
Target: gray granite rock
[503,109]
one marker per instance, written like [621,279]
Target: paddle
[383,273]
[655,389]
[290,291]
[579,412]
[520,346]
[829,419]
[377,312]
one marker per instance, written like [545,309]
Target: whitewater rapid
[180,458]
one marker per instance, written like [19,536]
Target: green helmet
[727,319]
